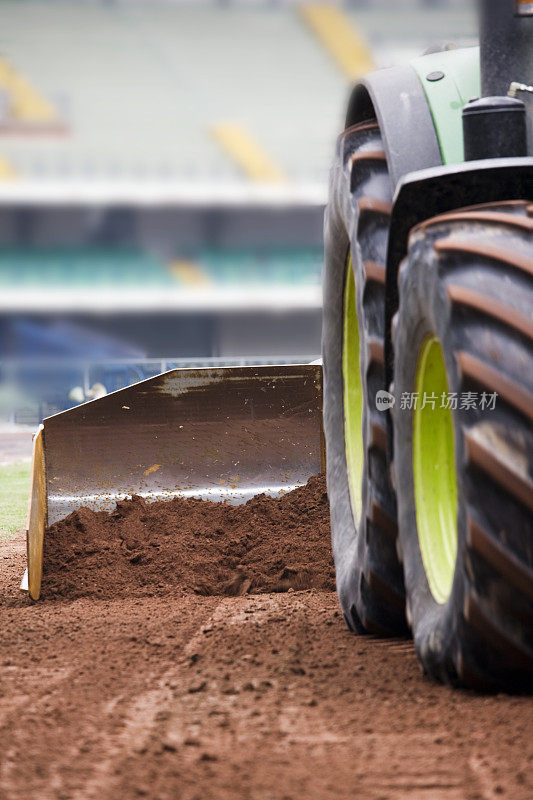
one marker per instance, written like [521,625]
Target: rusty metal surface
[219,434]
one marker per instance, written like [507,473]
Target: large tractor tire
[363,506]
[463,458]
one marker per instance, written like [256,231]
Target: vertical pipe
[506,39]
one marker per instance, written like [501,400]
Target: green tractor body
[428,356]
[450,79]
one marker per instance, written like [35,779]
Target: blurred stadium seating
[139,85]
[163,171]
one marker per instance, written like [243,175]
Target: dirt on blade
[164,694]
[185,545]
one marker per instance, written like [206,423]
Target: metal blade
[218,434]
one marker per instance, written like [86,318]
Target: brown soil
[170,695]
[183,545]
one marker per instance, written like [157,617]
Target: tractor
[428,355]
[426,390]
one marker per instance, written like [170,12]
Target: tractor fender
[396,97]
[427,193]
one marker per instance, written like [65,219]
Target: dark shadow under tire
[369,576]
[468,280]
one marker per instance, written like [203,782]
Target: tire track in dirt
[141,717]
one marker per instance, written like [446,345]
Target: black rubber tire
[369,575]
[468,278]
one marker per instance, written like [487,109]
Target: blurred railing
[31,390]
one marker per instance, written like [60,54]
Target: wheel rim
[434,471]
[353,394]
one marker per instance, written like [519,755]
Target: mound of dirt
[186,545]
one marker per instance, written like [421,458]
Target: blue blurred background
[163,175]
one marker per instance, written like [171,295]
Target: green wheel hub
[435,479]
[353,394]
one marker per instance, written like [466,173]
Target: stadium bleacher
[127,267]
[163,171]
[139,85]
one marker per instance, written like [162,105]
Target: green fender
[448,95]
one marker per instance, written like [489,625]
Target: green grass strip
[14,490]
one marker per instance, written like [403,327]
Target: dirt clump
[188,545]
